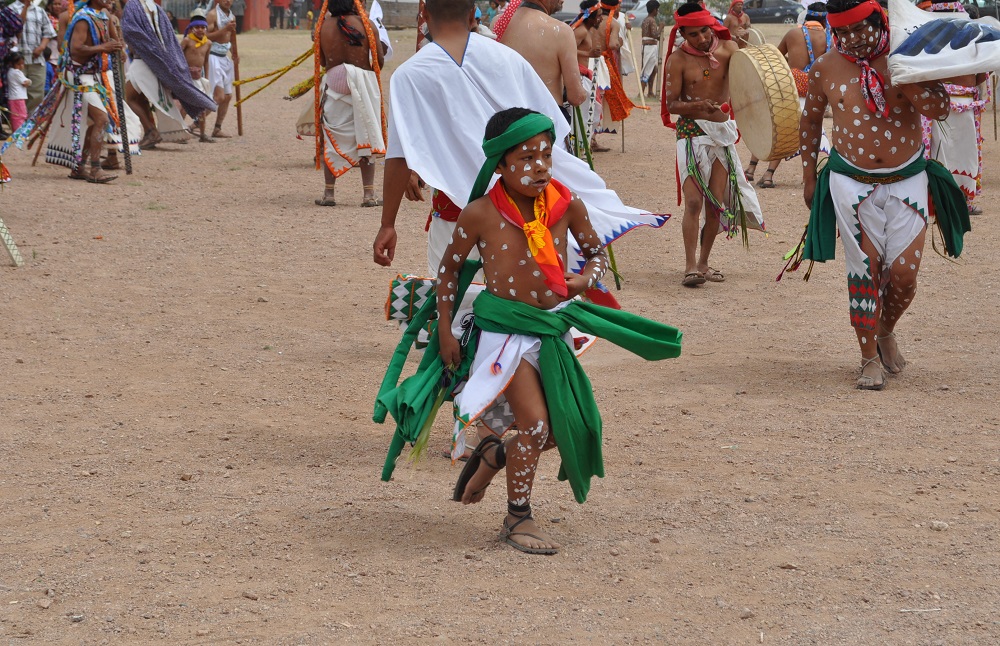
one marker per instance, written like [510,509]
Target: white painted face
[527,169]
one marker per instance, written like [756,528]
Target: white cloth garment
[431,93]
[710,148]
[169,121]
[352,118]
[16,89]
[220,73]
[650,57]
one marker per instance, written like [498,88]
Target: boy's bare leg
[222,100]
[899,293]
[693,203]
[717,184]
[368,182]
[140,106]
[94,143]
[201,129]
[331,184]
[871,369]
[526,399]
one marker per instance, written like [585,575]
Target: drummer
[802,45]
[696,87]
[874,188]
[738,23]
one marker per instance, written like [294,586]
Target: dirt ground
[189,362]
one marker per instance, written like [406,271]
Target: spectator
[34,38]
[239,8]
[17,89]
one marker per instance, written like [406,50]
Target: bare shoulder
[477,213]
[729,46]
[577,210]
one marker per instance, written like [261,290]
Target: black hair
[450,10]
[13,59]
[499,122]
[652,5]
[817,11]
[840,6]
[689,7]
[587,4]
[341,7]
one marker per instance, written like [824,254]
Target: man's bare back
[586,43]
[793,46]
[337,50]
[549,46]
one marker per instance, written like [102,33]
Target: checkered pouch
[407,293]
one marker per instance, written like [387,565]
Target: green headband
[521,130]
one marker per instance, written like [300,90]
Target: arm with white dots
[929,98]
[589,242]
[461,244]
[811,124]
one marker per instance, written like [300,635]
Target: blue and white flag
[929,46]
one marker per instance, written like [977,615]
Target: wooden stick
[236,75]
[118,73]
[623,136]
[994,107]
[41,140]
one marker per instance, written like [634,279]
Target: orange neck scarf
[550,206]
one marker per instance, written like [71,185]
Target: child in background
[17,90]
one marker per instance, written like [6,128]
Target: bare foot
[522,533]
[888,351]
[872,377]
[217,134]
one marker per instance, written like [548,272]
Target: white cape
[928,46]
[438,114]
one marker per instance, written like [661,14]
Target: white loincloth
[59,147]
[891,216]
[352,118]
[220,73]
[955,143]
[203,85]
[431,86]
[625,53]
[650,58]
[712,147]
[169,121]
[481,397]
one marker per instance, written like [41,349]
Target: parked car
[781,11]
[982,8]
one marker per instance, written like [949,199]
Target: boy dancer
[518,369]
[196,47]
[221,71]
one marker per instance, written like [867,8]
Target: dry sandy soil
[189,361]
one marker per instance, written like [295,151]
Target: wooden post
[236,75]
[638,72]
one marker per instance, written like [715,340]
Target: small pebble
[939,525]
[44,603]
[746,613]
[186,477]
[76,618]
[789,566]
[654,539]
[261,299]
[201,632]
[944,387]
[252,596]
[613,552]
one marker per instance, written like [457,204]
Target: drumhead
[765,101]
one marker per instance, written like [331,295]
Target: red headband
[734,3]
[696,19]
[857,14]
